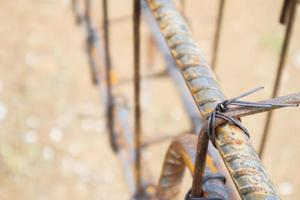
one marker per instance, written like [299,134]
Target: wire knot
[234,103]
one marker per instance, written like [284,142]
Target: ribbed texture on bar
[180,155]
[244,165]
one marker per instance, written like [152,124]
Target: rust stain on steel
[207,93]
[180,155]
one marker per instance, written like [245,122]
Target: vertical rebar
[217,34]
[110,100]
[282,61]
[90,41]
[137,108]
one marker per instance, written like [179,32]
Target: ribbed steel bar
[234,147]
[217,34]
[110,99]
[287,17]
[180,156]
[137,107]
[203,139]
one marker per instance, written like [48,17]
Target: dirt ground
[54,142]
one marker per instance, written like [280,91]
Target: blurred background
[54,142]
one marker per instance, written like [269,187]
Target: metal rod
[236,113]
[282,61]
[284,16]
[200,163]
[90,41]
[207,94]
[110,99]
[217,34]
[137,108]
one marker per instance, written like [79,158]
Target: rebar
[90,40]
[288,16]
[137,107]
[207,94]
[110,100]
[217,34]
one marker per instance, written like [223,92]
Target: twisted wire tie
[235,103]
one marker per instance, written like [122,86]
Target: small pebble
[56,134]
[3,111]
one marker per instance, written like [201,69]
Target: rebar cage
[226,168]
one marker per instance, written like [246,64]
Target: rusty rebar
[180,155]
[110,99]
[217,34]
[285,11]
[288,16]
[90,40]
[203,139]
[207,94]
[137,107]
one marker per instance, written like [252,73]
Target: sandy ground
[52,126]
